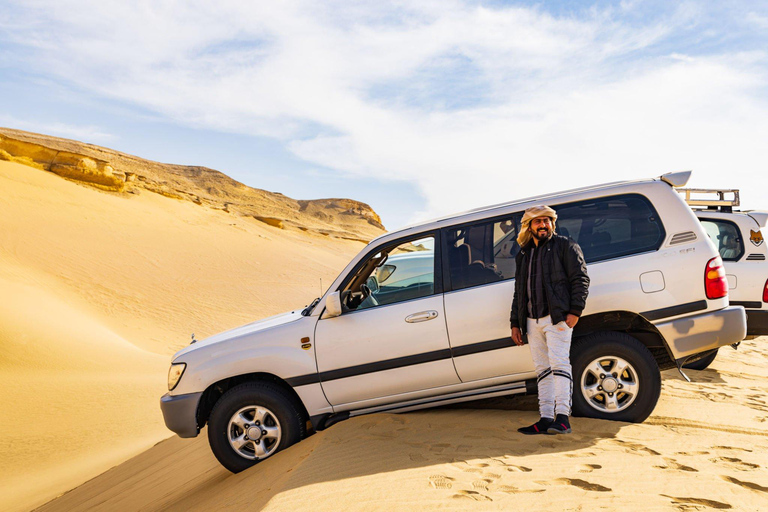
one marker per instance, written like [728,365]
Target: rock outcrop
[118,172]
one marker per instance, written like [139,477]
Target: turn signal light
[715,283]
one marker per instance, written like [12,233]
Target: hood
[244,330]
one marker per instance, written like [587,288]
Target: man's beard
[540,236]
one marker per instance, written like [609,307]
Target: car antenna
[321,287]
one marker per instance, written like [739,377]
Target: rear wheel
[251,422]
[702,363]
[615,377]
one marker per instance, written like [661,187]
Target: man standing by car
[551,289]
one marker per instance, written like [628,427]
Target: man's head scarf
[531,213]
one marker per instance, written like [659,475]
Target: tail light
[765,291]
[715,283]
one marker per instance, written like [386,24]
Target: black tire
[616,344]
[263,394]
[702,363]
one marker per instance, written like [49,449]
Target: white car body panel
[353,338]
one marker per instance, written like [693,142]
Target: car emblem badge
[756,237]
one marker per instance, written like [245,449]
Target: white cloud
[563,101]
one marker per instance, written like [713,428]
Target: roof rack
[718,202]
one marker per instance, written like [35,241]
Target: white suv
[420,318]
[738,237]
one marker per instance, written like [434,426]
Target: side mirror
[333,305]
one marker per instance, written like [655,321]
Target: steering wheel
[365,291]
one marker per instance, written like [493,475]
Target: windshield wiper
[307,310]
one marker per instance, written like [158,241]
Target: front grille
[756,257]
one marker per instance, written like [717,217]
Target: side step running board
[326,420]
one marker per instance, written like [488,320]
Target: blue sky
[417,108]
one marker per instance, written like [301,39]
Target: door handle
[421,317]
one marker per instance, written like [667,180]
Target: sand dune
[705,447]
[97,290]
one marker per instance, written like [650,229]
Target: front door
[391,337]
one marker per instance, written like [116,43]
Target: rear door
[479,264]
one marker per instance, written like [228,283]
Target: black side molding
[303,380]
[682,309]
[756,304]
[485,346]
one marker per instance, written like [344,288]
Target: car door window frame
[437,267]
[516,217]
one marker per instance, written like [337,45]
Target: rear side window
[482,253]
[726,237]
[611,227]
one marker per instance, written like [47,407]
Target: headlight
[174,374]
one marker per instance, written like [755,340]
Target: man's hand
[571,320]
[517,336]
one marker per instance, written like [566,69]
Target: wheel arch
[216,390]
[632,324]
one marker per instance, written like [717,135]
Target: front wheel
[615,377]
[251,422]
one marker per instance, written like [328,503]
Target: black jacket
[566,282]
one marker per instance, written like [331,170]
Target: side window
[397,274]
[482,253]
[611,227]
[726,237]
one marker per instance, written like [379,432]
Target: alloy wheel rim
[254,432]
[610,384]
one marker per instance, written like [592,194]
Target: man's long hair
[531,213]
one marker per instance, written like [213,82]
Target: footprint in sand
[629,447]
[417,457]
[747,485]
[438,447]
[734,463]
[734,448]
[518,469]
[440,481]
[673,464]
[692,453]
[588,468]
[579,455]
[696,501]
[473,495]
[577,482]
[470,468]
[482,484]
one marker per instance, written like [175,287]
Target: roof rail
[718,201]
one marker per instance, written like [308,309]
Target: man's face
[541,228]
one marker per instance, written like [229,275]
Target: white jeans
[550,348]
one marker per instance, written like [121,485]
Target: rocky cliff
[120,173]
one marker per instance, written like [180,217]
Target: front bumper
[699,333]
[180,413]
[757,322]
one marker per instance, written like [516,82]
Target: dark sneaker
[560,425]
[540,427]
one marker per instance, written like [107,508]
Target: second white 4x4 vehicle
[738,238]
[420,318]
